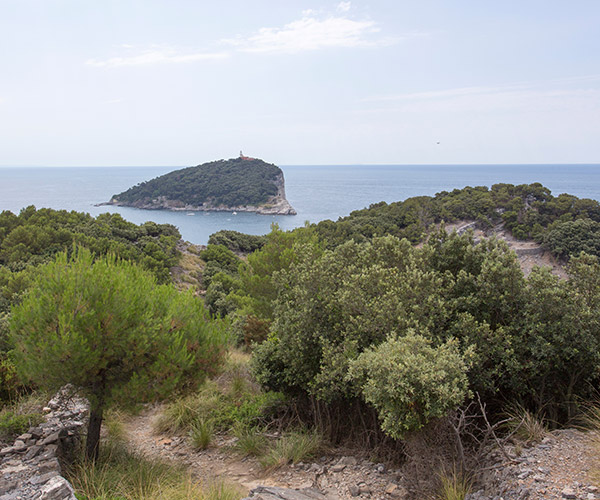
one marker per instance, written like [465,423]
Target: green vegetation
[221,409]
[236,241]
[527,211]
[34,237]
[353,329]
[409,382]
[105,326]
[231,183]
[454,485]
[120,474]
[529,340]
[292,448]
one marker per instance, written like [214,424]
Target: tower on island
[242,157]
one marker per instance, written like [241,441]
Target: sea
[317,192]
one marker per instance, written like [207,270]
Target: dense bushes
[236,241]
[344,319]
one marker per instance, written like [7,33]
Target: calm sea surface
[316,192]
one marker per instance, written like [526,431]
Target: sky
[182,82]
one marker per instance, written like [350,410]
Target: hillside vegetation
[353,329]
[527,210]
[231,183]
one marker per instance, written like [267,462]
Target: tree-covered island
[241,184]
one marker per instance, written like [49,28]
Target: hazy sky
[181,82]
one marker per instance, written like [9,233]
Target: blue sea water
[316,192]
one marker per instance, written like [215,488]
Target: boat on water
[190,213]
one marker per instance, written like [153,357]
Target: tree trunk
[93,436]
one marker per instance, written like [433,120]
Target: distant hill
[239,184]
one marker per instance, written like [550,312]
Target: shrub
[409,382]
[12,424]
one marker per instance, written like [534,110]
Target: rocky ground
[563,466]
[560,467]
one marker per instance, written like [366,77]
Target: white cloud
[344,6]
[548,88]
[156,56]
[311,33]
[314,30]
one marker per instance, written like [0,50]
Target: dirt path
[339,477]
[215,463]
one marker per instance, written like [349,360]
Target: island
[241,184]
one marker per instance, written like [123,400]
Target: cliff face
[248,185]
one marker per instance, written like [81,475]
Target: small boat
[190,213]
[234,213]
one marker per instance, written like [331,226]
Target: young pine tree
[106,327]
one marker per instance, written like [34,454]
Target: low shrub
[292,448]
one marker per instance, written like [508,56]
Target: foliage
[250,442]
[35,236]
[12,423]
[223,409]
[573,237]
[410,382]
[531,340]
[454,485]
[524,426]
[231,183]
[106,327]
[236,241]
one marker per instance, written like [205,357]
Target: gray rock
[58,488]
[354,490]
[274,493]
[569,493]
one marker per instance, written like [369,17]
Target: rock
[275,493]
[364,489]
[568,493]
[337,468]
[7,485]
[31,469]
[58,488]
[348,461]
[381,468]
[354,490]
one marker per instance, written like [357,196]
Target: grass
[122,475]
[229,402]
[201,434]
[292,448]
[591,420]
[525,427]
[454,485]
[250,442]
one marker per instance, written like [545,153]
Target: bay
[317,192]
